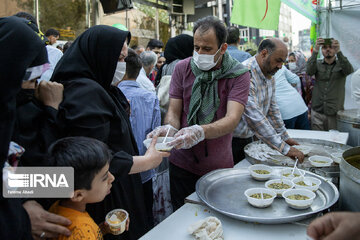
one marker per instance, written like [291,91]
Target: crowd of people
[92,107]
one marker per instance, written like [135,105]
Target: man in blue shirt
[233,43]
[144,117]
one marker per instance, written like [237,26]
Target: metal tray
[223,191]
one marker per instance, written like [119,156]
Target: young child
[92,182]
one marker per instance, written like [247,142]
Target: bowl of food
[160,144]
[299,198]
[260,172]
[303,148]
[116,219]
[287,173]
[309,183]
[337,157]
[279,185]
[320,161]
[260,197]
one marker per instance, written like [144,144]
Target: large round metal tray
[320,147]
[223,191]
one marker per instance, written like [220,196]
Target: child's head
[90,159]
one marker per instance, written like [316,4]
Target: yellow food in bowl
[279,186]
[261,171]
[258,196]
[318,161]
[302,183]
[288,175]
[297,197]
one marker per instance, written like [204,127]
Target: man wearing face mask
[329,90]
[208,93]
[144,117]
[262,117]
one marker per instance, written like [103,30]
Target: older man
[329,90]
[148,60]
[262,116]
[208,93]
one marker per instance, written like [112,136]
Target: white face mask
[292,66]
[205,62]
[119,72]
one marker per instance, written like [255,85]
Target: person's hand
[318,44]
[292,142]
[153,156]
[295,153]
[188,137]
[335,45]
[162,130]
[50,93]
[127,224]
[336,225]
[44,222]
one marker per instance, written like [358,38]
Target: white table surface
[175,226]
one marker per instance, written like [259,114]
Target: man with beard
[329,89]
[262,116]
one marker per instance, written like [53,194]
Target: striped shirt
[262,115]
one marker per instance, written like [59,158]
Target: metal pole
[157,34]
[87,6]
[228,12]
[220,9]
[126,19]
[37,13]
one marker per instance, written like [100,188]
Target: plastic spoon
[292,173]
[167,133]
[306,181]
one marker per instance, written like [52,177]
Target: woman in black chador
[94,108]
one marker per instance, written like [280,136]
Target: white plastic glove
[161,131]
[188,137]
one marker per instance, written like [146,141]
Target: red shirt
[209,154]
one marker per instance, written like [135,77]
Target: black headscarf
[92,107]
[179,47]
[92,55]
[20,48]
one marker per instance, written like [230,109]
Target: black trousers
[149,199]
[238,145]
[182,184]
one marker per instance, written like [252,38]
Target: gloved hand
[161,131]
[188,137]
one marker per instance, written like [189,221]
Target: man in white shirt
[148,60]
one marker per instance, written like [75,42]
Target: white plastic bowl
[160,146]
[260,203]
[327,161]
[313,180]
[303,148]
[279,191]
[299,204]
[289,171]
[257,176]
[337,157]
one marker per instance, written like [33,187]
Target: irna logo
[37,180]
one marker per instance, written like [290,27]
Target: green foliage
[249,45]
[57,14]
[151,12]
[148,22]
